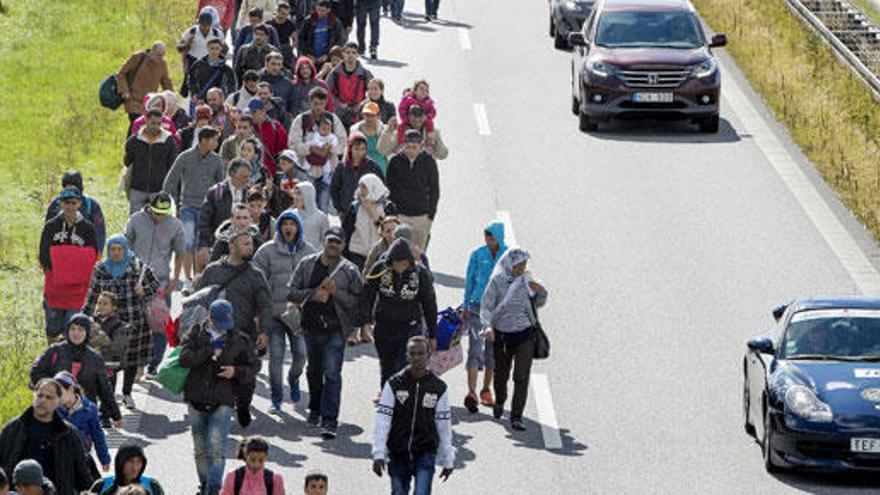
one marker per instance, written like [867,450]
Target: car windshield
[649,30]
[833,334]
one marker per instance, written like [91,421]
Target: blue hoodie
[481,264]
[86,419]
[289,215]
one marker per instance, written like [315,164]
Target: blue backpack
[110,482]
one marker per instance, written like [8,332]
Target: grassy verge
[827,110]
[869,9]
[53,55]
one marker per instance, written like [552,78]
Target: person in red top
[270,131]
[348,85]
[68,252]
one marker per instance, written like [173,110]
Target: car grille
[654,78]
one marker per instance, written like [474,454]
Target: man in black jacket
[41,434]
[149,155]
[324,27]
[398,295]
[413,424]
[414,184]
[209,72]
[222,362]
[217,207]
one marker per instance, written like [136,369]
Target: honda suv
[645,58]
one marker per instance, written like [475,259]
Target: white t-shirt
[199,46]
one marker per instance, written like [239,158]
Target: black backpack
[268,480]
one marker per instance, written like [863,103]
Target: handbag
[542,343]
[292,318]
[172,376]
[442,361]
[196,305]
[157,313]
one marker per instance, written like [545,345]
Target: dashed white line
[546,412]
[464,37]
[482,119]
[509,235]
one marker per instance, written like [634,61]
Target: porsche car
[811,388]
[567,16]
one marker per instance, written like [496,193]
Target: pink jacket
[410,99]
[253,484]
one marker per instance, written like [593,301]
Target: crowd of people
[284,190]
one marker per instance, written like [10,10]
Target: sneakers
[517,425]
[470,403]
[295,394]
[244,416]
[374,56]
[275,409]
[128,401]
[328,432]
[486,398]
[497,411]
[314,418]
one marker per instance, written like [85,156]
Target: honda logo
[653,78]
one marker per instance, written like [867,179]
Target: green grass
[53,56]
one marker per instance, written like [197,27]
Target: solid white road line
[464,37]
[482,119]
[509,235]
[546,412]
[853,259]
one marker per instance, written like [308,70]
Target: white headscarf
[376,189]
[170,103]
[504,269]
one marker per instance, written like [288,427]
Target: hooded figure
[506,305]
[277,259]
[86,365]
[117,269]
[157,101]
[481,265]
[111,484]
[362,219]
[299,96]
[349,173]
[314,221]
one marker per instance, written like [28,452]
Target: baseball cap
[371,108]
[256,104]
[412,136]
[221,314]
[335,233]
[416,110]
[28,472]
[160,203]
[288,155]
[70,192]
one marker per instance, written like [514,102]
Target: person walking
[348,85]
[252,56]
[193,45]
[348,174]
[481,355]
[328,288]
[305,79]
[364,216]
[387,227]
[254,478]
[368,10]
[285,25]
[79,411]
[142,73]
[129,467]
[277,260]
[217,207]
[507,311]
[371,128]
[208,72]
[315,222]
[90,208]
[413,425]
[414,182]
[320,32]
[28,479]
[134,284]
[399,294]
[149,155]
[221,364]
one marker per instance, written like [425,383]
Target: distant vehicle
[567,16]
[811,388]
[645,58]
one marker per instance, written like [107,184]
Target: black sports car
[567,16]
[811,393]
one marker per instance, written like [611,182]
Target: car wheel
[575,106]
[766,449]
[710,125]
[559,42]
[552,28]
[749,427]
[586,124]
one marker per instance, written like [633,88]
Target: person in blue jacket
[83,414]
[90,208]
[480,353]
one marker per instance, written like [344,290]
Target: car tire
[710,125]
[552,27]
[575,106]
[766,440]
[749,427]
[559,42]
[586,124]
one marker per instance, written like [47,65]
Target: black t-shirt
[284,30]
[316,315]
[40,446]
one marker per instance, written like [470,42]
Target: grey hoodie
[191,176]
[154,242]
[276,260]
[510,313]
[314,221]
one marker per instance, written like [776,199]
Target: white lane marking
[546,412]
[842,244]
[464,37]
[509,235]
[482,119]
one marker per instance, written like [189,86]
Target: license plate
[652,97]
[870,445]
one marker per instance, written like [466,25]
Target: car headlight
[599,68]
[705,69]
[799,400]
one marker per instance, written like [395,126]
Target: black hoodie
[123,455]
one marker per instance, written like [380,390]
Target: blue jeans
[386,6]
[56,319]
[326,351]
[431,7]
[397,9]
[373,14]
[279,335]
[210,430]
[402,471]
[190,218]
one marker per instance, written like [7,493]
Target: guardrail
[854,39]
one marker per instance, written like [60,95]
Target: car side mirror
[762,344]
[718,41]
[778,311]
[576,39]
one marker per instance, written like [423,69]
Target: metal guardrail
[854,39]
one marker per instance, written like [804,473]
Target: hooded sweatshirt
[67,256]
[154,243]
[507,300]
[315,222]
[150,161]
[84,415]
[481,264]
[192,175]
[277,259]
[299,96]
[111,484]
[346,177]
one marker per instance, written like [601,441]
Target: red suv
[645,58]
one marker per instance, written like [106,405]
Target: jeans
[362,15]
[480,353]
[56,319]
[402,471]
[431,7]
[386,5]
[518,357]
[391,347]
[397,9]
[326,351]
[189,216]
[279,335]
[210,430]
[137,200]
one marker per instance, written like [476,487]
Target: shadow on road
[663,131]
[451,281]
[828,482]
[391,64]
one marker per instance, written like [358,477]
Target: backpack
[109,95]
[268,480]
[110,482]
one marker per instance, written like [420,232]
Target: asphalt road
[663,249]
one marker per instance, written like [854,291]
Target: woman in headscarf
[508,313]
[362,219]
[157,101]
[73,354]
[135,286]
[315,222]
[178,116]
